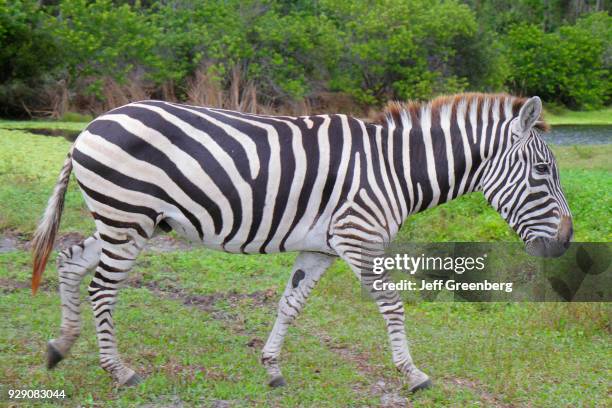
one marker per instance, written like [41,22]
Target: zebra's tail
[44,237]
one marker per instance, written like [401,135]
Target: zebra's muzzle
[553,247]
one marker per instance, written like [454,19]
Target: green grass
[337,354]
[538,354]
[568,117]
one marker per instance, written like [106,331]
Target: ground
[193,321]
[568,117]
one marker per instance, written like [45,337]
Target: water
[67,134]
[579,134]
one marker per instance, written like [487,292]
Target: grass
[568,117]
[206,352]
[26,182]
[507,353]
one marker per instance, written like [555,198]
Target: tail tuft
[44,237]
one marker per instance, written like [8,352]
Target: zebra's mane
[394,111]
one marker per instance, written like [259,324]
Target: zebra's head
[522,184]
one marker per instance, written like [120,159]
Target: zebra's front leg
[390,306]
[116,260]
[72,265]
[307,270]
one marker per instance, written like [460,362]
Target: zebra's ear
[529,115]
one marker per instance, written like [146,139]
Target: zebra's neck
[441,149]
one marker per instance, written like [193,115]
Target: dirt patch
[67,240]
[67,134]
[165,243]
[15,241]
[8,285]
[12,285]
[204,302]
[388,389]
[207,302]
[12,241]
[165,401]
[210,303]
[390,396]
[256,343]
[8,244]
[221,404]
[488,398]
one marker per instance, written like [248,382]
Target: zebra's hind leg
[307,270]
[360,258]
[118,255]
[72,265]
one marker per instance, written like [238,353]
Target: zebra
[327,186]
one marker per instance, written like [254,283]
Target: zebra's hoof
[277,381]
[53,356]
[133,380]
[422,386]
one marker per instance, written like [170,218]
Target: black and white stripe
[324,185]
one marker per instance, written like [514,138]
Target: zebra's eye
[542,168]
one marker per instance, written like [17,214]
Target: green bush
[567,66]
[373,50]
[191,35]
[292,52]
[399,49]
[285,50]
[28,54]
[100,40]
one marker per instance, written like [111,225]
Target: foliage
[292,52]
[100,40]
[28,54]
[289,52]
[567,66]
[398,49]
[190,35]
[500,15]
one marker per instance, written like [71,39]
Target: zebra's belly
[304,237]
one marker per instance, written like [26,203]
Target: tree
[28,55]
[292,53]
[567,66]
[100,40]
[399,49]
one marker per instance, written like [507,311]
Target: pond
[579,134]
[67,134]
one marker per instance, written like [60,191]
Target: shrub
[567,66]
[28,55]
[292,53]
[399,49]
[101,41]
